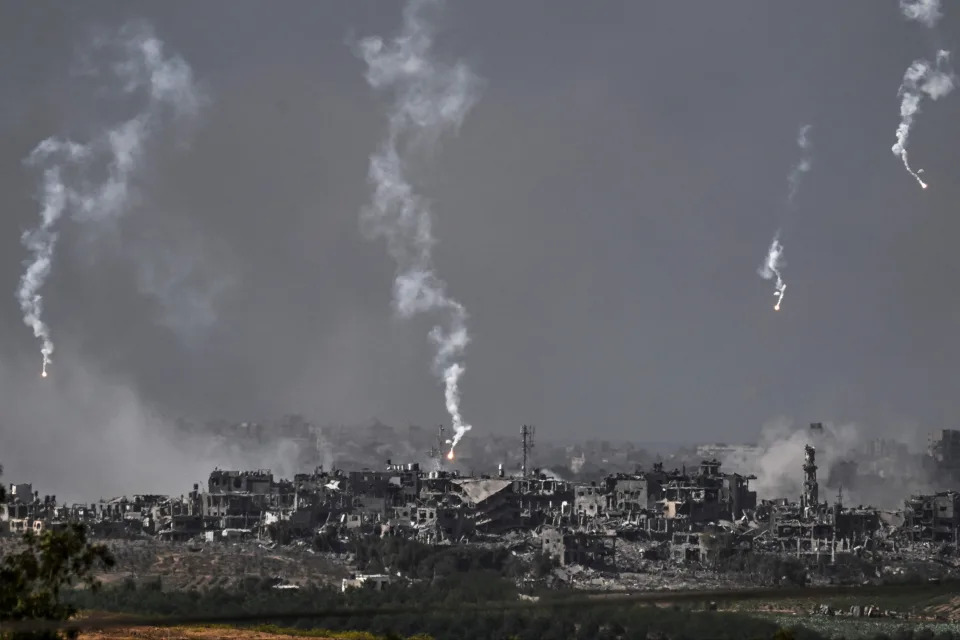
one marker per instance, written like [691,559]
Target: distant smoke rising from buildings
[429,98]
[846,459]
[282,456]
[922,78]
[773,263]
[324,449]
[550,473]
[92,181]
[926,12]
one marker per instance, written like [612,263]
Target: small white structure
[355,581]
[227,535]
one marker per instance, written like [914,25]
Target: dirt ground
[178,633]
[182,567]
[949,610]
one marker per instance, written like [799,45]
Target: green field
[935,610]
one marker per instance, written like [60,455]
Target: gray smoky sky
[598,213]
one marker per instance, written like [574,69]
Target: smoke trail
[41,242]
[921,78]
[926,12]
[796,174]
[774,263]
[139,66]
[429,98]
[771,268]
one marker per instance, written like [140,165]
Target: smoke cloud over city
[852,462]
[595,212]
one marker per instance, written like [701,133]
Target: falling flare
[430,97]
[166,83]
[922,78]
[773,263]
[906,164]
[771,269]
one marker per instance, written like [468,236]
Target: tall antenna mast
[526,435]
[436,452]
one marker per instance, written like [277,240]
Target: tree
[32,579]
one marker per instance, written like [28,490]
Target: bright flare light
[450,455]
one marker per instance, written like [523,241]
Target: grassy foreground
[215,632]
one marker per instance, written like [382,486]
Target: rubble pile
[860,611]
[648,529]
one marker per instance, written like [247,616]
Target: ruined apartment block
[700,514]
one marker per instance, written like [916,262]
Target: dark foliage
[452,593]
[769,569]
[421,561]
[453,578]
[33,579]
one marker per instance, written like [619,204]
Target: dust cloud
[868,470]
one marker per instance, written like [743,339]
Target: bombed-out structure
[697,514]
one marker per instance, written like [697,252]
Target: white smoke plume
[921,79]
[187,274]
[429,98]
[42,241]
[926,12]
[771,269]
[803,166]
[70,170]
[773,264]
[851,459]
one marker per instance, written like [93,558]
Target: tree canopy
[33,579]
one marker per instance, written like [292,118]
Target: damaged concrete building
[691,514]
[932,518]
[587,549]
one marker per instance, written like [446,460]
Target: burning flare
[774,262]
[72,172]
[771,268]
[921,79]
[429,98]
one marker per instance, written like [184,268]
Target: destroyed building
[592,550]
[692,514]
[932,518]
[578,522]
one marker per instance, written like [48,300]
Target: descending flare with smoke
[774,261]
[429,98]
[921,79]
[771,268]
[69,168]
[42,241]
